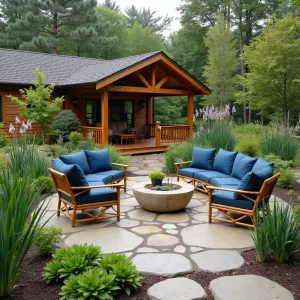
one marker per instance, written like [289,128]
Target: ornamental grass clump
[277,235]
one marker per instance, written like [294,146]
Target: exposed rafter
[162,82]
[143,79]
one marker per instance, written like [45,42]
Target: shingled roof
[17,67]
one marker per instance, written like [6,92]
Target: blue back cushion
[261,164]
[203,158]
[79,159]
[98,160]
[224,161]
[73,172]
[242,165]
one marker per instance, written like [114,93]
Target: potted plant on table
[156,177]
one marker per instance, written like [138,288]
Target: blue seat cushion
[203,158]
[98,177]
[73,172]
[227,198]
[217,181]
[224,161]
[95,195]
[189,172]
[77,158]
[261,164]
[98,160]
[115,174]
[242,165]
[208,175]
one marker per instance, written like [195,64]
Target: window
[120,110]
[93,112]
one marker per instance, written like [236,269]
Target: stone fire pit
[163,201]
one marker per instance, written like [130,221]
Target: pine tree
[112,5]
[222,63]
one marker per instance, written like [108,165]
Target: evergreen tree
[222,63]
[112,5]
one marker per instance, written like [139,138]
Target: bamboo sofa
[237,185]
[85,181]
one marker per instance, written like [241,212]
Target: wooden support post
[149,110]
[190,112]
[153,75]
[157,133]
[104,117]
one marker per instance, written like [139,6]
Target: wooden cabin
[104,92]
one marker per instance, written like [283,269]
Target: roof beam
[143,79]
[153,75]
[162,82]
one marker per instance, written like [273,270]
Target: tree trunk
[249,115]
[54,32]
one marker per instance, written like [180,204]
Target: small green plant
[248,147]
[57,150]
[298,198]
[291,193]
[44,184]
[4,140]
[277,234]
[46,238]
[297,212]
[157,175]
[116,157]
[75,138]
[278,162]
[287,178]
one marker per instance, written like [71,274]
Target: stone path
[163,244]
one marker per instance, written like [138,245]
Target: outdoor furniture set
[234,182]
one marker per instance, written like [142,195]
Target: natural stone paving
[248,287]
[164,244]
[218,260]
[176,288]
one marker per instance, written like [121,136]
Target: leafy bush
[44,184]
[46,238]
[283,145]
[277,234]
[116,157]
[291,193]
[287,178]
[297,212]
[65,122]
[249,128]
[248,147]
[74,260]
[18,209]
[58,150]
[278,162]
[35,139]
[4,161]
[4,139]
[156,175]
[92,284]
[75,138]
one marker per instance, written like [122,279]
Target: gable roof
[17,68]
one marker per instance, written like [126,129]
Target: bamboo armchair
[178,166]
[264,193]
[64,206]
[124,167]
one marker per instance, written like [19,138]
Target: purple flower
[11,129]
[18,120]
[25,127]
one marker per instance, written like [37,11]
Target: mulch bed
[283,194]
[32,285]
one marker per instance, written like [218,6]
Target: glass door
[121,111]
[93,112]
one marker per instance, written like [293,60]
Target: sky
[163,7]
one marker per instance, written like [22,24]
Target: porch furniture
[163,201]
[126,137]
[142,134]
[130,130]
[235,182]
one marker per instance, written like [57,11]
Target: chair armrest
[95,186]
[210,187]
[120,165]
[182,163]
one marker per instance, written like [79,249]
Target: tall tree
[147,18]
[222,64]
[273,58]
[112,5]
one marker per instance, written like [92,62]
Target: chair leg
[58,206]
[118,205]
[74,217]
[209,206]
[125,184]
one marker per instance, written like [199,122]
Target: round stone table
[163,201]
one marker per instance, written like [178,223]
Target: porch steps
[143,149]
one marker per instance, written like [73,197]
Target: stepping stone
[201,217]
[130,169]
[180,249]
[128,223]
[146,229]
[140,172]
[123,209]
[151,223]
[129,202]
[248,287]
[194,203]
[176,288]
[183,224]
[218,260]
[200,196]
[162,240]
[204,209]
[173,217]
[141,214]
[146,250]
[169,226]
[217,236]
[196,249]
[197,222]
[128,254]
[162,264]
[111,239]
[172,231]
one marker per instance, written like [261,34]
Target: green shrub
[73,260]
[18,209]
[291,193]
[4,139]
[283,145]
[46,238]
[156,175]
[75,138]
[297,212]
[249,128]
[58,150]
[116,157]
[65,122]
[287,178]
[277,234]
[35,139]
[44,184]
[248,147]
[4,161]
[278,162]
[92,284]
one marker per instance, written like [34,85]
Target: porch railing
[94,132]
[174,133]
